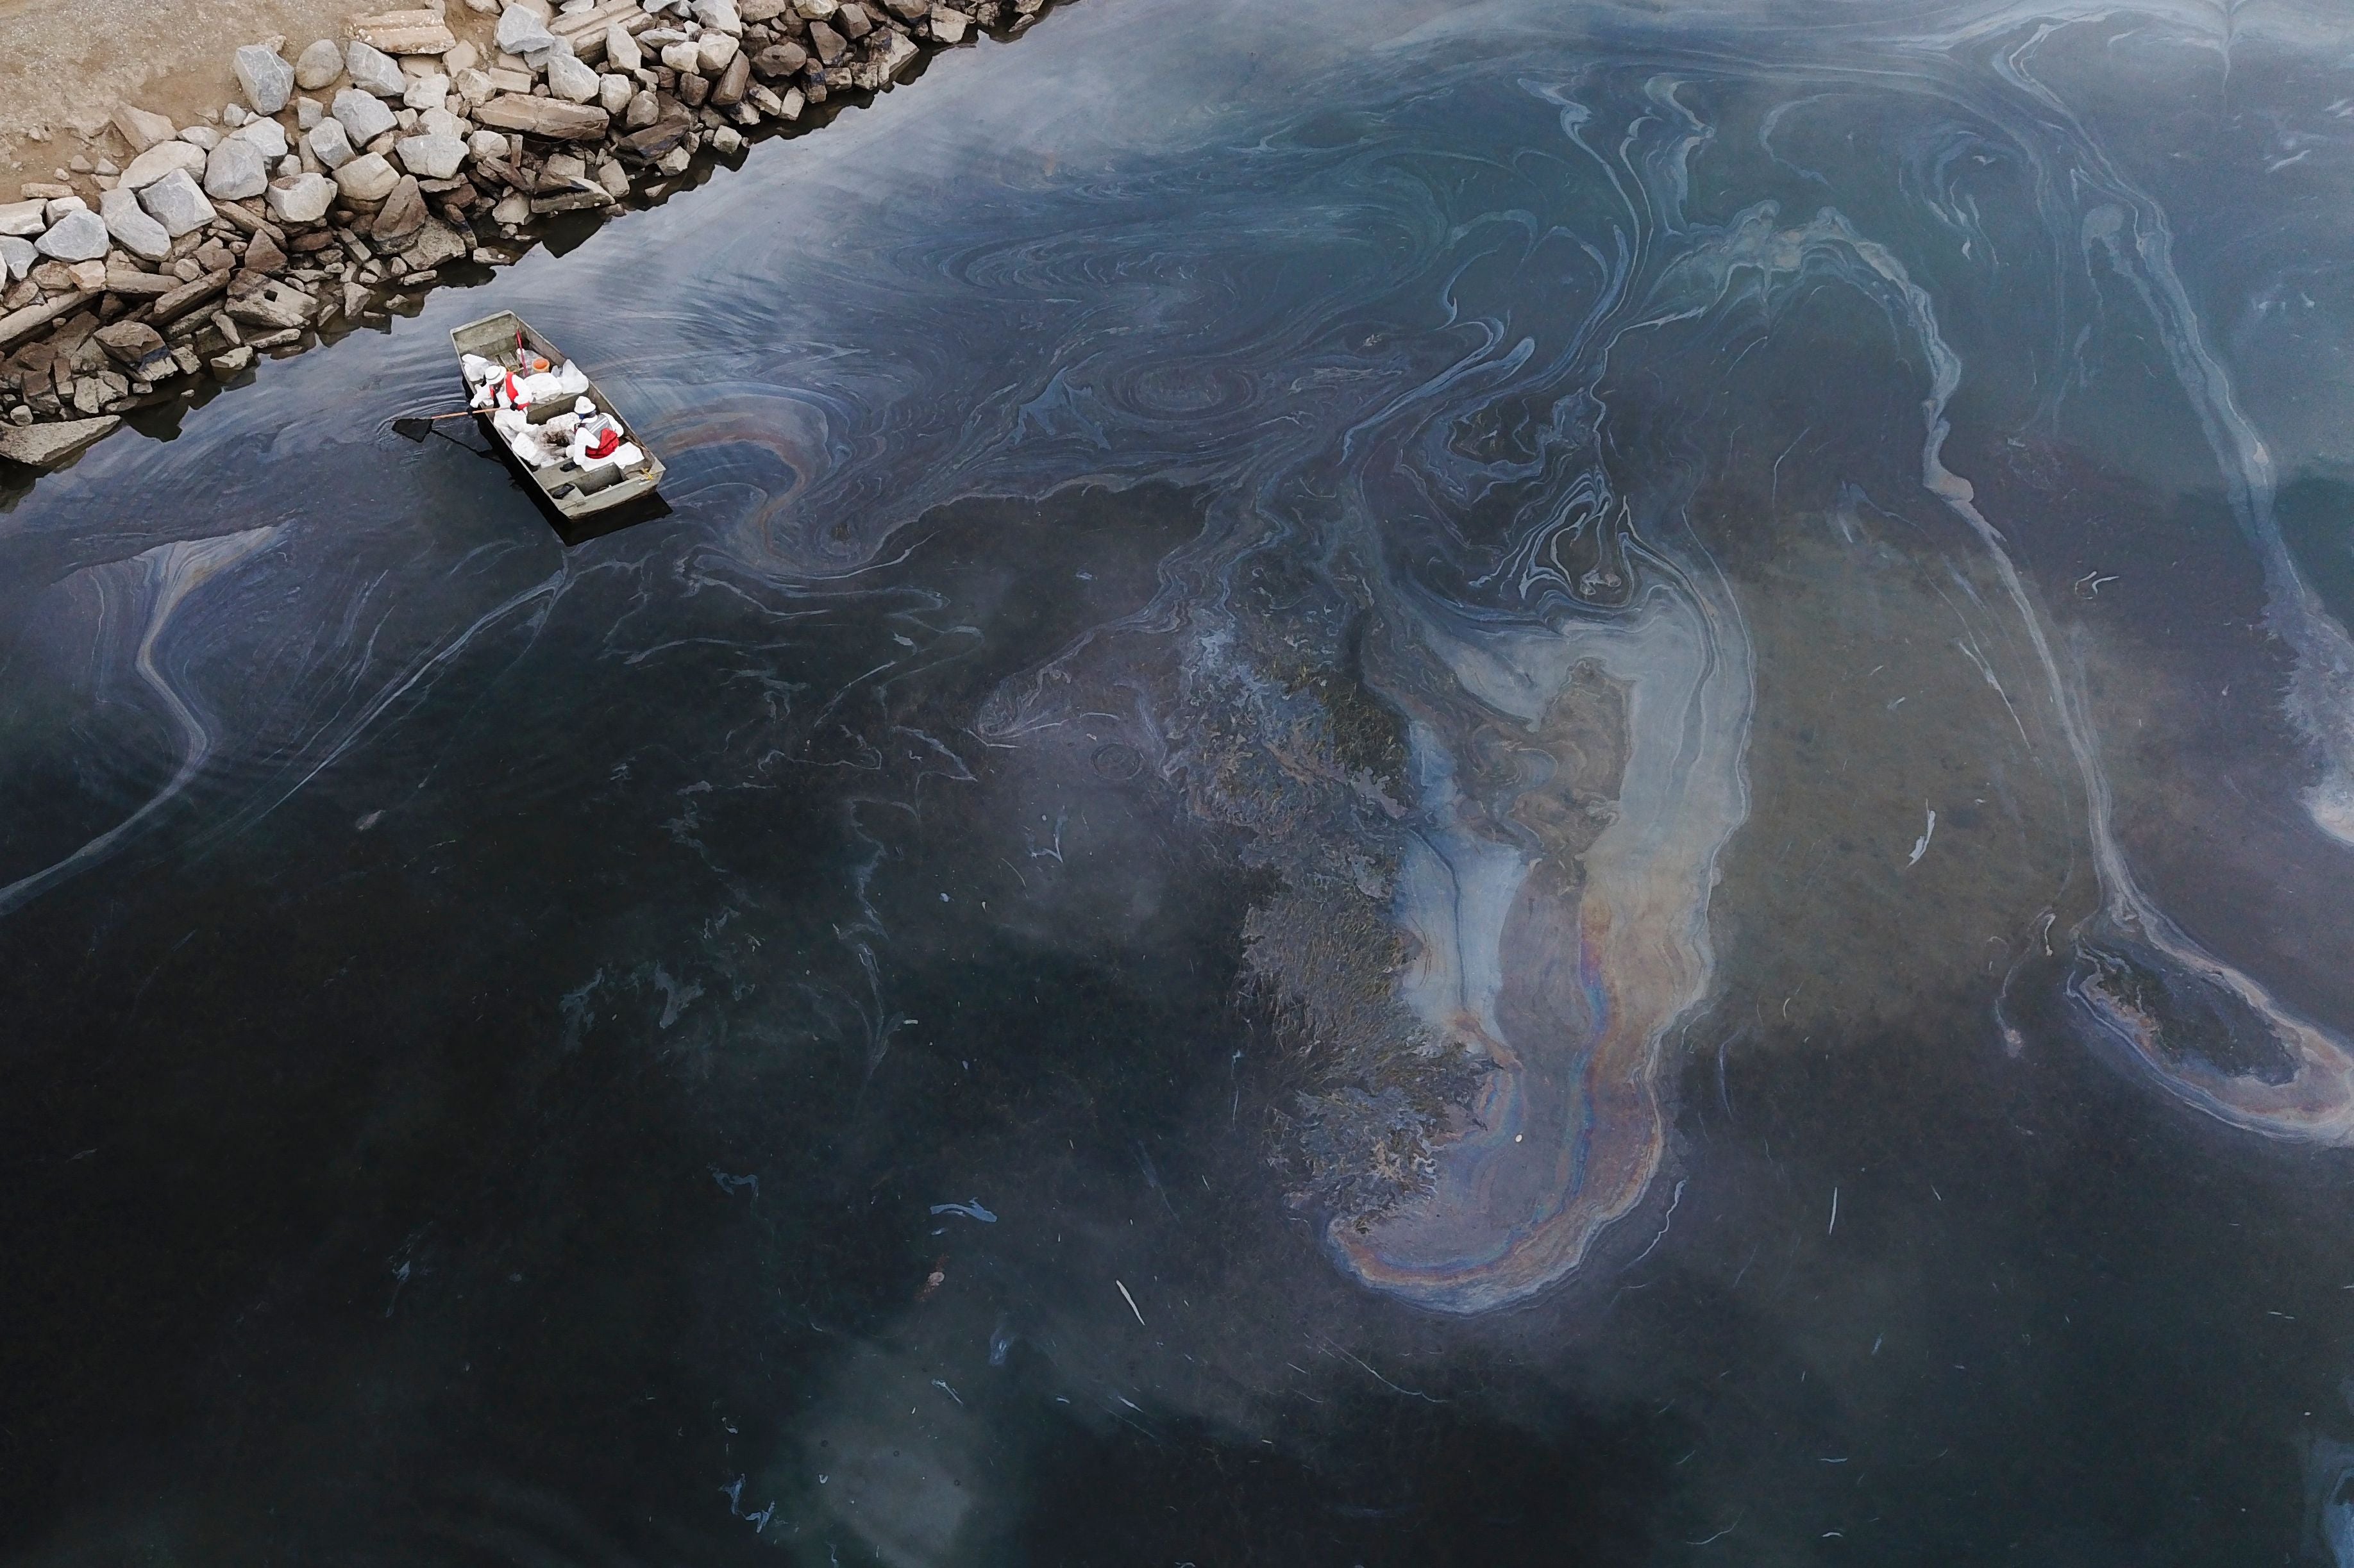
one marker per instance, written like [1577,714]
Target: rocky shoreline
[342,182]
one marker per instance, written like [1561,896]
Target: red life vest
[605,442]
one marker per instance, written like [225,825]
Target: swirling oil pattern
[1357,723]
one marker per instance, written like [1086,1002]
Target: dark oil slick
[1403,784]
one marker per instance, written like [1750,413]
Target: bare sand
[69,63]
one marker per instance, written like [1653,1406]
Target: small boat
[576,494]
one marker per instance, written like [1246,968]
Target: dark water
[1404,784]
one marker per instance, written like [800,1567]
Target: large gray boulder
[77,236]
[305,198]
[621,51]
[23,218]
[133,229]
[430,157]
[267,79]
[330,144]
[175,202]
[140,128]
[17,256]
[47,446]
[548,116]
[317,66]
[719,16]
[373,70]
[235,171]
[369,177]
[523,32]
[402,213]
[160,160]
[267,134]
[569,79]
[364,116]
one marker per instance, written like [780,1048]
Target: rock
[728,90]
[133,229]
[59,206]
[948,26]
[17,258]
[727,142]
[403,211]
[202,136]
[175,202]
[24,219]
[431,157]
[373,70]
[267,134]
[128,342]
[543,117]
[900,53]
[473,87]
[159,161]
[308,112]
[513,208]
[233,363]
[465,56]
[828,43]
[77,236]
[682,57]
[142,129]
[319,65]
[235,171]
[275,305]
[428,91]
[621,51]
[661,138]
[486,144]
[614,179]
[305,198]
[852,21]
[330,144]
[435,244]
[368,177]
[188,296]
[262,255]
[523,32]
[47,446]
[570,80]
[762,10]
[715,52]
[404,32]
[364,116]
[780,61]
[265,76]
[614,92]
[645,108]
[719,16]
[132,281]
[815,10]
[233,115]
[442,122]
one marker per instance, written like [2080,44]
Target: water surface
[1403,784]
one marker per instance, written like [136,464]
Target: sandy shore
[71,61]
